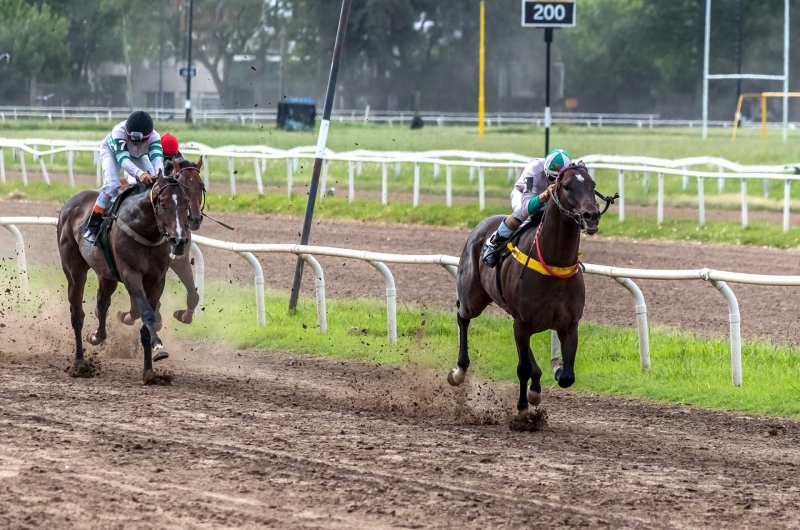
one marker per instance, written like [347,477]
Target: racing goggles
[137,136]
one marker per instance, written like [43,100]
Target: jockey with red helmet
[172,151]
[133,146]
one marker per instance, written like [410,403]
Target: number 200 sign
[548,13]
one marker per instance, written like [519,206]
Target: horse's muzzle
[178,245]
[194,222]
[591,221]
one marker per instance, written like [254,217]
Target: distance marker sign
[548,13]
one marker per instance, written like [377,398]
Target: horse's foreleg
[459,374]
[183,268]
[535,390]
[131,316]
[104,292]
[569,347]
[522,336]
[143,301]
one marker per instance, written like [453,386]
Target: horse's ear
[199,163]
[160,178]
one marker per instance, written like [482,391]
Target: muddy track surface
[767,312]
[256,439]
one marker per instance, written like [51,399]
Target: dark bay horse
[551,296]
[187,174]
[151,226]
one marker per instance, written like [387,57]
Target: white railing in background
[623,276]
[390,117]
[474,160]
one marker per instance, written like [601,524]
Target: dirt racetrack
[256,439]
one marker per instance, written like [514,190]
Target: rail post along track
[338,47]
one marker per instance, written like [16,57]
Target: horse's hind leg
[459,374]
[76,280]
[569,348]
[104,292]
[525,365]
[535,390]
[183,268]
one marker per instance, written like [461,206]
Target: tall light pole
[160,102]
[188,104]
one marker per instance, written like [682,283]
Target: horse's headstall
[575,165]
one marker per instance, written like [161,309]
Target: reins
[203,202]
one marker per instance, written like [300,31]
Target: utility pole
[740,23]
[160,102]
[188,104]
[281,71]
[548,39]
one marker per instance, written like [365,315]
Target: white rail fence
[477,162]
[624,276]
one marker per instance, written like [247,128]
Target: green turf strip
[686,368]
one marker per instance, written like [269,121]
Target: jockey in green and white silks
[531,191]
[134,147]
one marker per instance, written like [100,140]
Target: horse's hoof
[84,369]
[157,378]
[94,339]
[565,381]
[557,373]
[456,376]
[183,316]
[534,397]
[159,353]
[125,318]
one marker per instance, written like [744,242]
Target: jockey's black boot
[92,228]
[492,248]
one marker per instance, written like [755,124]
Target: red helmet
[169,144]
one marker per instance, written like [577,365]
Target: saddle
[104,234]
[530,223]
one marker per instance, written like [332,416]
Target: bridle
[575,216]
[154,196]
[202,184]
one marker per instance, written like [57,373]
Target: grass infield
[686,368]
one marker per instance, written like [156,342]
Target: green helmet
[554,161]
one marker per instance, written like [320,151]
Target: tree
[36,40]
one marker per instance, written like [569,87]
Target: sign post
[338,47]
[548,14]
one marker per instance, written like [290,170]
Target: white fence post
[35,156]
[258,280]
[233,177]
[449,185]
[324,179]
[70,170]
[366,115]
[660,198]
[621,185]
[397,169]
[289,177]
[744,203]
[2,165]
[44,170]
[646,180]
[471,170]
[721,182]
[685,179]
[416,185]
[351,185]
[22,167]
[22,267]
[736,332]
[319,289]
[510,175]
[199,277]
[384,184]
[701,201]
[359,168]
[641,320]
[391,301]
[787,193]
[206,178]
[435,171]
[481,189]
[766,188]
[259,183]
